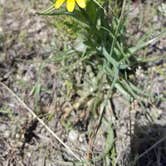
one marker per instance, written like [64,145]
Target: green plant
[102,62]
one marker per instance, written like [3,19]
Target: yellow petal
[70,5]
[58,3]
[81,3]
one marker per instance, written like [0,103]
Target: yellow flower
[70,4]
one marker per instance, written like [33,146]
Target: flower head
[70,4]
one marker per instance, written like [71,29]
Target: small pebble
[17,136]
[73,135]
[82,138]
[6,134]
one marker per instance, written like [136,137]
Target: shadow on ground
[148,145]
